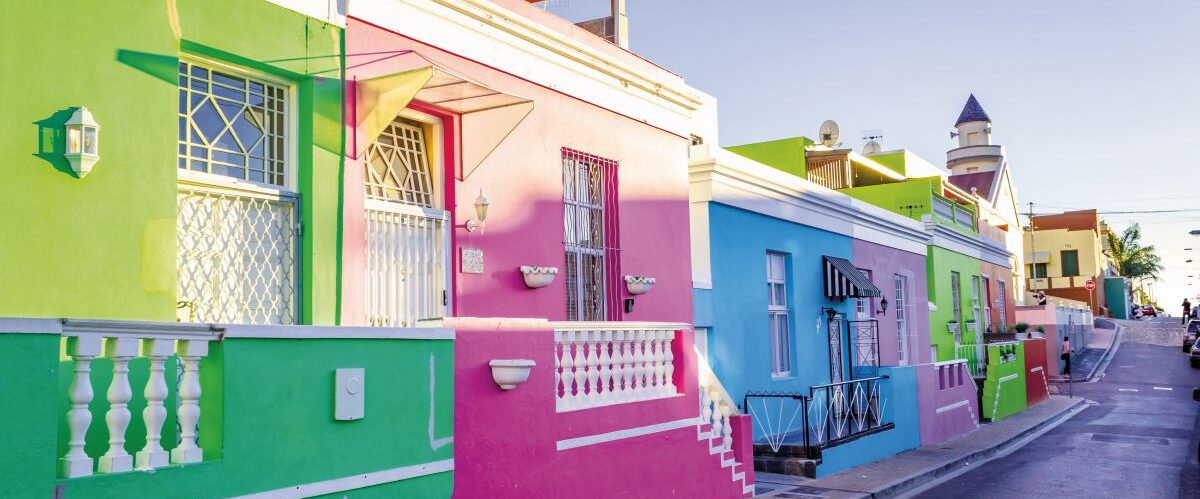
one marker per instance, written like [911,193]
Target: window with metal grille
[1003,307]
[591,237]
[956,296]
[778,315]
[987,303]
[232,125]
[407,233]
[901,285]
[397,165]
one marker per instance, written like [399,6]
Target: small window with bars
[232,125]
[591,237]
[398,167]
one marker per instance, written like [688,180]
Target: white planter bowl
[637,284]
[508,373]
[538,277]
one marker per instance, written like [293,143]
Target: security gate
[406,262]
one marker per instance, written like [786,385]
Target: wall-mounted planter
[637,284]
[508,373]
[538,277]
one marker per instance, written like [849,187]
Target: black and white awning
[842,280]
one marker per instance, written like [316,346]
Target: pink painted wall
[505,441]
[995,274]
[884,263]
[522,179]
[1037,388]
[948,387]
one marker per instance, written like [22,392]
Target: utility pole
[1032,248]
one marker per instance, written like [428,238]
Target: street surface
[1139,441]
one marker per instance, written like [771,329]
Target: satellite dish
[828,133]
[872,147]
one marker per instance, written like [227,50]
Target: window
[976,303]
[1036,270]
[1003,307]
[986,299]
[864,308]
[591,237]
[236,248]
[956,296]
[407,232]
[777,314]
[1070,263]
[901,285]
[232,125]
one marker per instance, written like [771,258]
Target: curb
[927,477]
[1108,355]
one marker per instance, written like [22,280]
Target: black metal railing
[829,415]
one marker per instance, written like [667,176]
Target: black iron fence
[828,415]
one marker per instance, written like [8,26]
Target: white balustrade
[605,363]
[119,342]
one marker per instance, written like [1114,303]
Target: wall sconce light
[83,137]
[883,306]
[830,313]
[481,210]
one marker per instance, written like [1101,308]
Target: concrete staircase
[788,460]
[717,448]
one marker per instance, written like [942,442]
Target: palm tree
[1132,259]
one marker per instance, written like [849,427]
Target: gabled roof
[980,181]
[972,111]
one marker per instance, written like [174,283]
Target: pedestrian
[1066,356]
[1187,310]
[1041,297]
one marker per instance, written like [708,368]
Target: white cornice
[330,11]
[736,181]
[493,35]
[972,246]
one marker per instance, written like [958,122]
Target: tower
[975,152]
[974,126]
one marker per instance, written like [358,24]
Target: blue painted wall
[901,407]
[735,309]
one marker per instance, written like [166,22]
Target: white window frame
[434,131]
[780,339]
[956,298]
[1003,306]
[986,302]
[292,110]
[900,283]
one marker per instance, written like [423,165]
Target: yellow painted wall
[1091,258]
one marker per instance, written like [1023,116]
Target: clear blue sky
[1096,101]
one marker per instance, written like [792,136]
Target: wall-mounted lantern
[481,211]
[883,306]
[83,141]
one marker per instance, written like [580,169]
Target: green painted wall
[895,161]
[1004,389]
[911,198]
[266,419]
[940,263]
[782,154]
[104,246]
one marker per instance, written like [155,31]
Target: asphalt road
[1139,441]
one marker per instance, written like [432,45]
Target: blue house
[774,274]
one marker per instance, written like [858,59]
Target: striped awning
[842,280]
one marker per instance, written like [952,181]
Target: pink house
[502,163]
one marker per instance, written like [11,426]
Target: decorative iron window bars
[829,415]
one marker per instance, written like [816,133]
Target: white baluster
[567,363]
[705,404]
[76,462]
[639,368]
[579,400]
[558,399]
[669,364]
[717,420]
[726,428]
[190,352]
[649,358]
[152,455]
[605,361]
[664,354]
[117,460]
[622,372]
[590,351]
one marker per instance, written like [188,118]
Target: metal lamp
[481,211]
[83,141]
[883,306]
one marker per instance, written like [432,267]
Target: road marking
[1164,388]
[1127,389]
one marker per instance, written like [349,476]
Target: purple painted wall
[884,263]
[948,403]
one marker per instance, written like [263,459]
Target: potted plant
[1041,331]
[1020,328]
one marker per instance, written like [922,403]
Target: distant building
[1065,251]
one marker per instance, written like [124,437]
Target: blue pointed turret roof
[972,111]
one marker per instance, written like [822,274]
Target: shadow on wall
[52,140]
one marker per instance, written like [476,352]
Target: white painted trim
[953,406]
[542,54]
[618,326]
[950,362]
[972,246]
[612,436]
[356,481]
[22,325]
[740,182]
[330,11]
[335,332]
[137,329]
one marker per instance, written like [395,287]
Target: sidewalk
[905,471]
[1086,363]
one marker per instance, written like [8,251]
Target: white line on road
[1164,388]
[1127,389]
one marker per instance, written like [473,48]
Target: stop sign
[1090,285]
